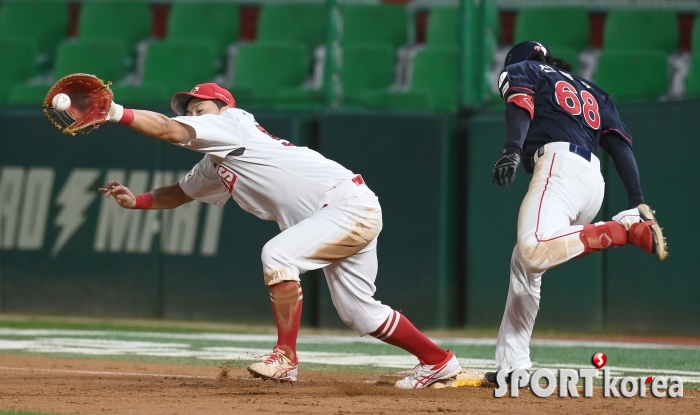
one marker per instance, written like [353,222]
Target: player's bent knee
[275,268]
[270,252]
[531,256]
[279,275]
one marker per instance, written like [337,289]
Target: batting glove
[504,170]
[627,218]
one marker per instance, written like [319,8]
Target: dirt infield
[109,387]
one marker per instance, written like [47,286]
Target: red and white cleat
[425,375]
[648,235]
[276,366]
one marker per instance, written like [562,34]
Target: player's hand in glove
[627,218]
[504,170]
[90,100]
[120,193]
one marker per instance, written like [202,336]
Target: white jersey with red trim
[267,176]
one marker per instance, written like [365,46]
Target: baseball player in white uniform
[328,216]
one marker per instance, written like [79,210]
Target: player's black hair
[538,55]
[219,104]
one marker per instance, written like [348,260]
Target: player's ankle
[287,351]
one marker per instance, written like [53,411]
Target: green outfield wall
[409,162]
[443,253]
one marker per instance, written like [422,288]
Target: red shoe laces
[271,359]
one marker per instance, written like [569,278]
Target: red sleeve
[524,101]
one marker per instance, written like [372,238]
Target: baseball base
[467,377]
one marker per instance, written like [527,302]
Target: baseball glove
[90,100]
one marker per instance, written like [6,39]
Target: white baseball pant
[341,238]
[565,193]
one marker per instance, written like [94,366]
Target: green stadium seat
[126,20]
[46,22]
[409,101]
[28,94]
[569,55]
[367,67]
[433,85]
[442,31]
[171,67]
[442,27]
[556,27]
[645,29]
[386,23]
[435,74]
[692,81]
[259,74]
[633,76]
[18,63]
[292,22]
[695,38]
[215,22]
[105,58]
[146,95]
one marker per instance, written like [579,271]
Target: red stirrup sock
[399,332]
[602,235]
[287,300]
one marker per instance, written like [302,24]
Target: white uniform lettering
[212,230]
[152,218]
[37,198]
[11,185]
[119,228]
[180,232]
[75,198]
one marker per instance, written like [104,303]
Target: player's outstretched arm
[152,124]
[166,197]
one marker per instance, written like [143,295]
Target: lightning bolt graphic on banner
[75,197]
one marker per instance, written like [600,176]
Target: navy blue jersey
[566,106]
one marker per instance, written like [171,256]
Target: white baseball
[61,102]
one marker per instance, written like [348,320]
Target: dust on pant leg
[276,268]
[538,255]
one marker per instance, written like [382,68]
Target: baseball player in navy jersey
[555,121]
[327,215]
